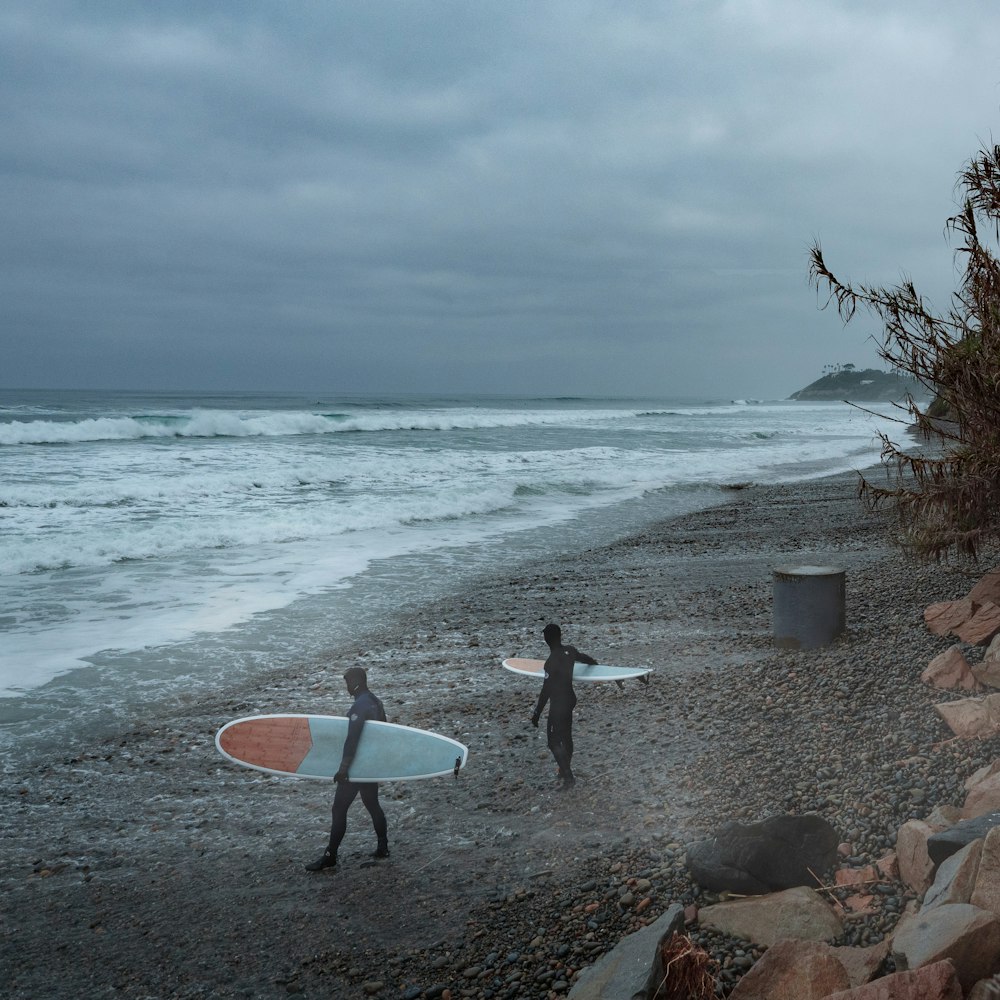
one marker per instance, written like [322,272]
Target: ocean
[155,547]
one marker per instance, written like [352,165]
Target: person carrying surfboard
[366,707]
[557,690]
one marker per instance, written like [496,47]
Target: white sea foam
[221,423]
[208,423]
[127,533]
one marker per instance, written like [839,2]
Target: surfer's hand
[534,721]
[340,776]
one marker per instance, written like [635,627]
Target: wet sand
[144,865]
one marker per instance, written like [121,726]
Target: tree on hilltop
[948,501]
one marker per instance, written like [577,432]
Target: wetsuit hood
[356,680]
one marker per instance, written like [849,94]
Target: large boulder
[955,878]
[916,867]
[974,619]
[632,969]
[972,718]
[961,932]
[985,772]
[946,616]
[980,629]
[937,981]
[988,671]
[988,588]
[950,669]
[795,913]
[862,964]
[778,853]
[986,892]
[793,970]
[982,797]
[946,842]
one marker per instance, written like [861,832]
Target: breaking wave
[226,424]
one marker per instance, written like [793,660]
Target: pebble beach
[141,864]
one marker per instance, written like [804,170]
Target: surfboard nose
[280,743]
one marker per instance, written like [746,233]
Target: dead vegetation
[688,971]
[945,488]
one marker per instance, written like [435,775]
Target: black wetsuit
[366,707]
[557,690]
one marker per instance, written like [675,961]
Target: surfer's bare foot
[326,860]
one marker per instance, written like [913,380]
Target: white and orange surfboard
[310,746]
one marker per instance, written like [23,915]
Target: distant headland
[868,385]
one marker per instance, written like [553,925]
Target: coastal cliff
[868,385]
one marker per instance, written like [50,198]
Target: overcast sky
[497,196]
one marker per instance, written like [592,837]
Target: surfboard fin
[458,765]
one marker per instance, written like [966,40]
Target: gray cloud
[562,196]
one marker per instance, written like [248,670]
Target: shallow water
[155,547]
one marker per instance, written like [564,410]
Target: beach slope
[145,865]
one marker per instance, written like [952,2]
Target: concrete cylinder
[810,605]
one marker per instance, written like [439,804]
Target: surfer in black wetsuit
[366,707]
[557,690]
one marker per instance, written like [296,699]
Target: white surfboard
[581,671]
[310,746]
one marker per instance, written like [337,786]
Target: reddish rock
[915,866]
[975,618]
[987,673]
[988,588]
[942,817]
[943,617]
[888,867]
[984,772]
[862,964]
[983,797]
[981,627]
[950,670]
[855,876]
[938,981]
[970,718]
[793,970]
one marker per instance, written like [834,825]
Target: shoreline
[146,865]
